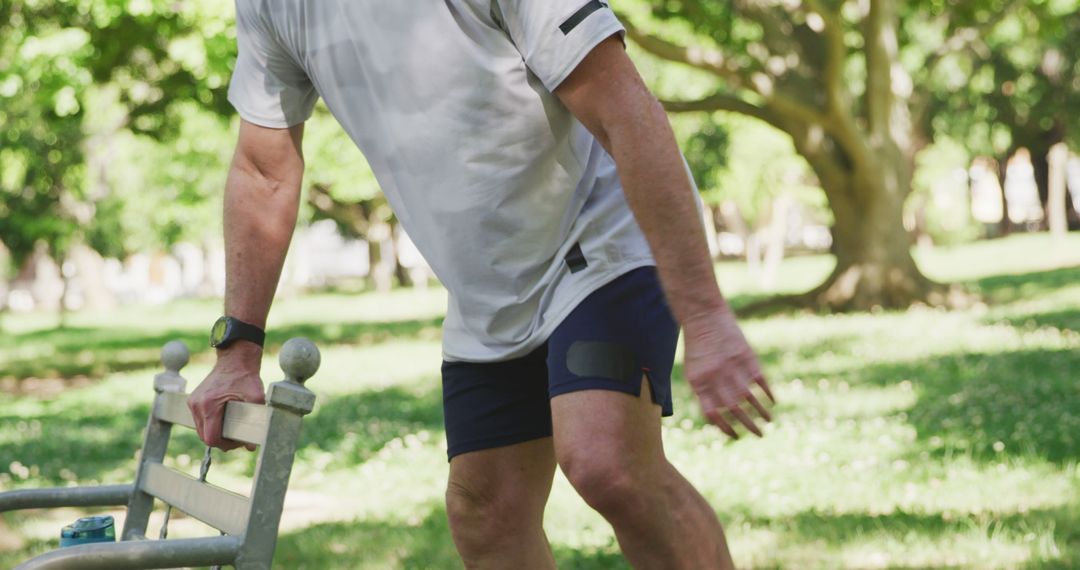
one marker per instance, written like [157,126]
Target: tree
[753,174]
[55,58]
[342,188]
[1012,87]
[53,54]
[849,82]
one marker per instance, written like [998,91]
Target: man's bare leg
[609,446]
[495,501]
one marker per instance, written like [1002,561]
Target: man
[540,178]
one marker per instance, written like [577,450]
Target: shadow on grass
[362,545]
[356,426]
[1015,287]
[840,529]
[427,544]
[1061,320]
[82,444]
[1022,400]
[96,352]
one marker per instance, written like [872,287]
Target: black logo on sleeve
[579,16]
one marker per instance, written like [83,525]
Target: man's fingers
[197,416]
[211,432]
[228,445]
[717,419]
[764,413]
[213,424]
[745,420]
[764,385]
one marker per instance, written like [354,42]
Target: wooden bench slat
[243,421]
[217,507]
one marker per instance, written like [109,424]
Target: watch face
[217,334]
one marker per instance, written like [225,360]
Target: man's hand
[232,379]
[721,368]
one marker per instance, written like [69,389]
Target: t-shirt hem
[540,336]
[264,121]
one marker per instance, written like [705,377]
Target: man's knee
[613,485]
[480,516]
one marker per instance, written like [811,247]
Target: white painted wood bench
[249,524]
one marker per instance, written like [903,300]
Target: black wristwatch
[228,330]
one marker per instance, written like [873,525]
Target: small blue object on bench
[248,524]
[88,530]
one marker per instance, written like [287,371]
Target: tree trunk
[1040,162]
[1038,142]
[90,269]
[874,265]
[775,243]
[381,258]
[1003,174]
[1057,193]
[400,271]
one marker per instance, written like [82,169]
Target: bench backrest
[274,428]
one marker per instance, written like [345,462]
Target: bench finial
[299,359]
[175,355]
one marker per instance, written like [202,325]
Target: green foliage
[706,152]
[334,162]
[154,53]
[942,193]
[341,185]
[861,88]
[1009,89]
[152,193]
[761,165]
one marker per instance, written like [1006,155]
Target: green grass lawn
[921,439]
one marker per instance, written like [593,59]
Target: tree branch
[964,37]
[725,102]
[717,64]
[832,28]
[880,37]
[705,59]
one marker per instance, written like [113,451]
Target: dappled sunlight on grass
[917,439]
[98,344]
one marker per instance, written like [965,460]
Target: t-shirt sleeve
[553,36]
[268,87]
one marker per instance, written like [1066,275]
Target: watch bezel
[226,337]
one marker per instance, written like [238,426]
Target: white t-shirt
[511,200]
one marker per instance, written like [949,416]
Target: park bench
[248,525]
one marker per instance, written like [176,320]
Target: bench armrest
[139,555]
[103,496]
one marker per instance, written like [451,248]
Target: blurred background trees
[862,88]
[859,127]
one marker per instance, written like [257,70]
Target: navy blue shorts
[619,334]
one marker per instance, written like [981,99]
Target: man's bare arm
[608,96]
[262,195]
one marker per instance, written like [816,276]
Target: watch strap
[248,332]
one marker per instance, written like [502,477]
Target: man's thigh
[498,431]
[609,366]
[607,430]
[515,478]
